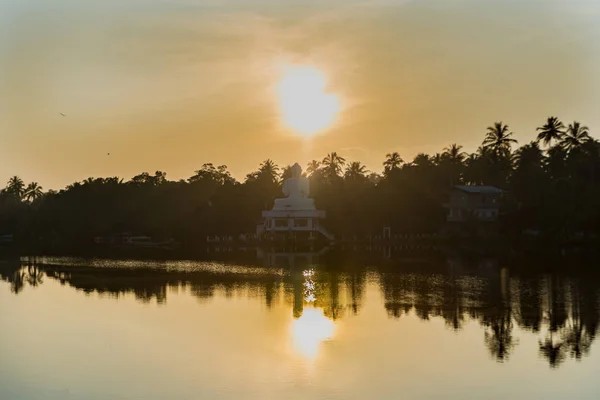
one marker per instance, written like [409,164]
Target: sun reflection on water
[309,286]
[308,331]
[312,327]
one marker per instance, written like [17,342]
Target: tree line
[551,186]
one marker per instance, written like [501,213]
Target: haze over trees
[552,185]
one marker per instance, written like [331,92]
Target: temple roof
[478,189]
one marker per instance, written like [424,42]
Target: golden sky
[172,84]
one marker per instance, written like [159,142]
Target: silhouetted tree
[15,186]
[498,138]
[556,191]
[552,130]
[33,191]
[455,154]
[286,173]
[333,164]
[313,167]
[356,171]
[575,136]
[268,171]
[218,174]
[392,162]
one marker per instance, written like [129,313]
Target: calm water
[99,329]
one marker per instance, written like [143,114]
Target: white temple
[295,215]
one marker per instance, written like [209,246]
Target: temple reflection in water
[560,310]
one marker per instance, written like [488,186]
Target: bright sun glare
[305,105]
[310,330]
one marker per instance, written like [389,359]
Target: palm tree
[286,173]
[392,161]
[529,155]
[452,163]
[269,169]
[15,186]
[556,161]
[553,129]
[313,167]
[454,154]
[575,136]
[498,138]
[528,177]
[422,160]
[333,164]
[33,191]
[356,171]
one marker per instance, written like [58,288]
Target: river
[76,328]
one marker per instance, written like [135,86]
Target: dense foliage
[551,187]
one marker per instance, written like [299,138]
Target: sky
[171,84]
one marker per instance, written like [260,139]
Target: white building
[294,216]
[481,203]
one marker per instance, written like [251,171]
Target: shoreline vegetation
[551,195]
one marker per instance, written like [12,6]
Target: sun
[304,103]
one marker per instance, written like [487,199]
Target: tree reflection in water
[19,275]
[561,310]
[498,335]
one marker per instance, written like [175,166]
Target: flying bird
[63,114]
